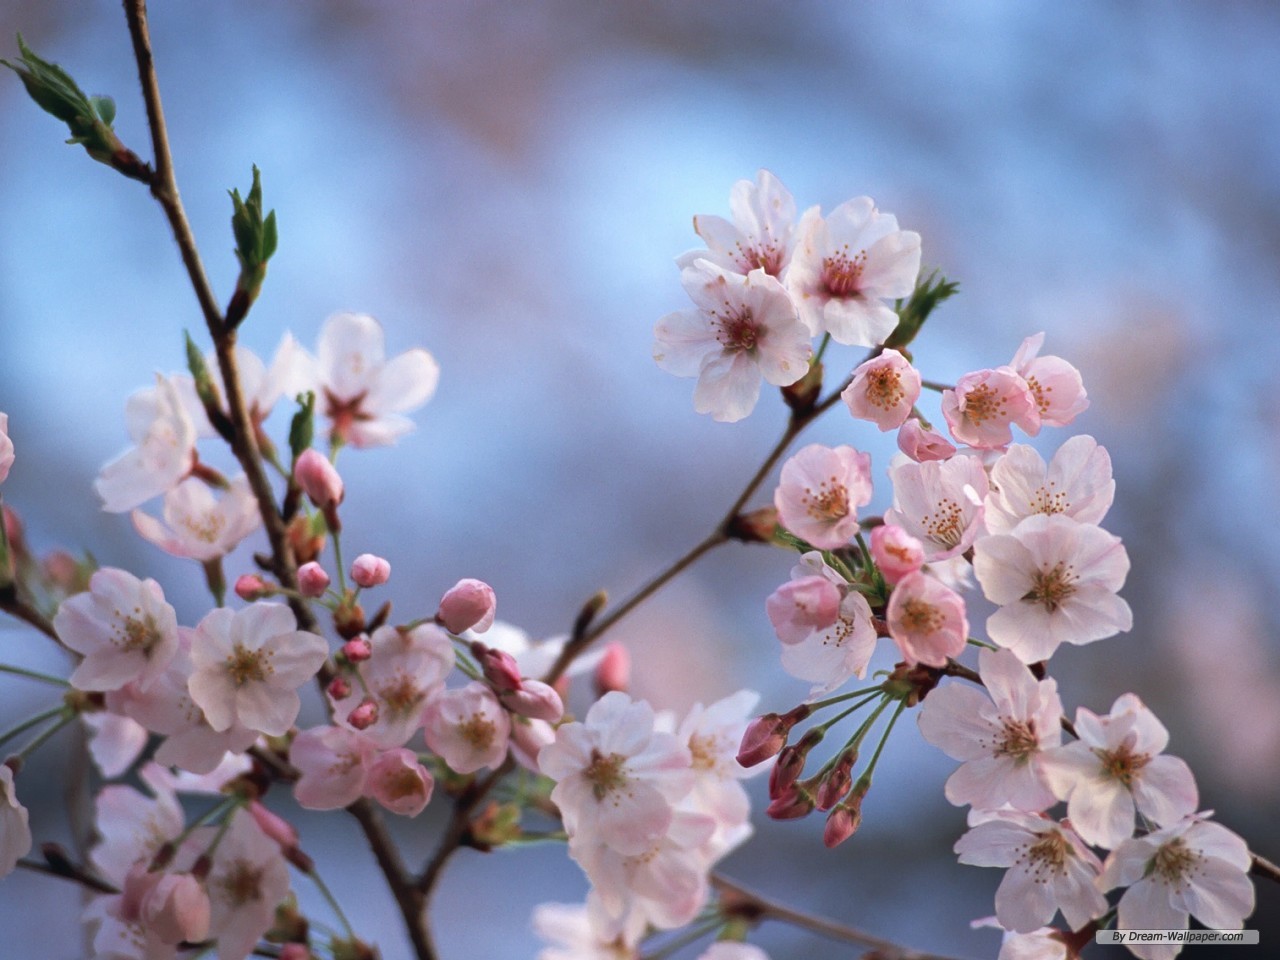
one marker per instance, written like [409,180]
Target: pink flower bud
[791,805]
[837,782]
[318,479]
[339,688]
[252,587]
[468,605]
[357,649]
[399,782]
[177,909]
[764,737]
[312,580]
[613,672]
[535,700]
[365,715]
[370,571]
[274,826]
[798,608]
[896,552]
[295,951]
[785,772]
[921,443]
[527,741]
[500,668]
[842,822]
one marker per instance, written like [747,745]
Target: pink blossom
[926,620]
[249,665]
[1001,732]
[819,492]
[290,373]
[312,580]
[468,605]
[922,443]
[15,832]
[617,778]
[584,932]
[799,607]
[199,526]
[1056,385]
[399,782]
[333,764]
[319,479]
[357,649]
[175,908]
[760,236]
[164,449]
[273,825]
[1077,483]
[883,390]
[733,950]
[115,741]
[939,502]
[248,880]
[250,587]
[743,330]
[132,826]
[1050,869]
[1055,581]
[364,394]
[713,735]
[830,656]
[1189,868]
[613,672]
[845,266]
[123,628]
[365,715]
[528,737]
[895,552]
[368,570]
[6,447]
[1117,767]
[983,405]
[468,728]
[535,700]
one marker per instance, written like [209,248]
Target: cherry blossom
[583,932]
[1116,767]
[883,390]
[123,628]
[248,879]
[832,655]
[333,765]
[896,553]
[468,728]
[369,570]
[743,330]
[713,735]
[1045,943]
[199,526]
[819,492]
[1001,733]
[845,266]
[115,741]
[1189,868]
[319,479]
[249,665]
[801,606]
[164,450]
[926,620]
[922,443]
[1056,582]
[291,372]
[6,448]
[733,950]
[983,405]
[399,782]
[364,394]
[1050,869]
[939,502]
[761,234]
[15,831]
[468,605]
[1056,385]
[1077,483]
[617,778]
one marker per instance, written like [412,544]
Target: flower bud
[798,608]
[922,443]
[786,771]
[764,737]
[318,479]
[468,605]
[837,781]
[369,570]
[500,668]
[305,539]
[252,587]
[527,741]
[273,825]
[755,526]
[895,552]
[357,649]
[791,805]
[339,688]
[312,580]
[535,700]
[365,715]
[177,909]
[842,823]
[613,672]
[295,951]
[348,619]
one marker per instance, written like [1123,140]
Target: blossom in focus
[333,765]
[922,443]
[883,390]
[799,607]
[1076,483]
[761,234]
[362,393]
[1001,733]
[6,447]
[164,450]
[896,553]
[399,782]
[1115,768]
[617,779]
[1055,581]
[199,526]
[927,620]
[467,727]
[743,330]
[123,628]
[983,405]
[1049,869]
[1190,868]
[249,665]
[819,492]
[1056,386]
[830,656]
[939,502]
[15,832]
[846,265]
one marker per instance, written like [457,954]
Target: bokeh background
[508,183]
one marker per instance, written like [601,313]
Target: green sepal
[302,429]
[929,292]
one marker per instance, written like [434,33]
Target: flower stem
[33,675]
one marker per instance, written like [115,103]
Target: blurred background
[507,184]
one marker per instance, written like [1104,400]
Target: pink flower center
[842,274]
[248,666]
[704,751]
[767,255]
[1017,738]
[401,695]
[1050,501]
[241,883]
[478,731]
[884,388]
[945,524]
[1174,862]
[1051,588]
[982,403]
[1122,763]
[920,616]
[1046,857]
[736,330]
[829,502]
[137,632]
[403,783]
[605,774]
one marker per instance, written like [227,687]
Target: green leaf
[302,429]
[269,237]
[105,107]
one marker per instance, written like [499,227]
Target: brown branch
[459,827]
[409,898]
[58,864]
[1262,867]
[740,902]
[12,604]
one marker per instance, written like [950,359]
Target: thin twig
[12,604]
[69,871]
[1262,867]
[459,825]
[754,908]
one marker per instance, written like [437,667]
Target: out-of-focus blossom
[845,267]
[583,932]
[333,763]
[312,580]
[819,492]
[896,553]
[733,950]
[199,526]
[399,782]
[369,570]
[248,880]
[15,831]
[761,234]
[6,447]
[1076,483]
[115,741]
[164,449]
[744,329]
